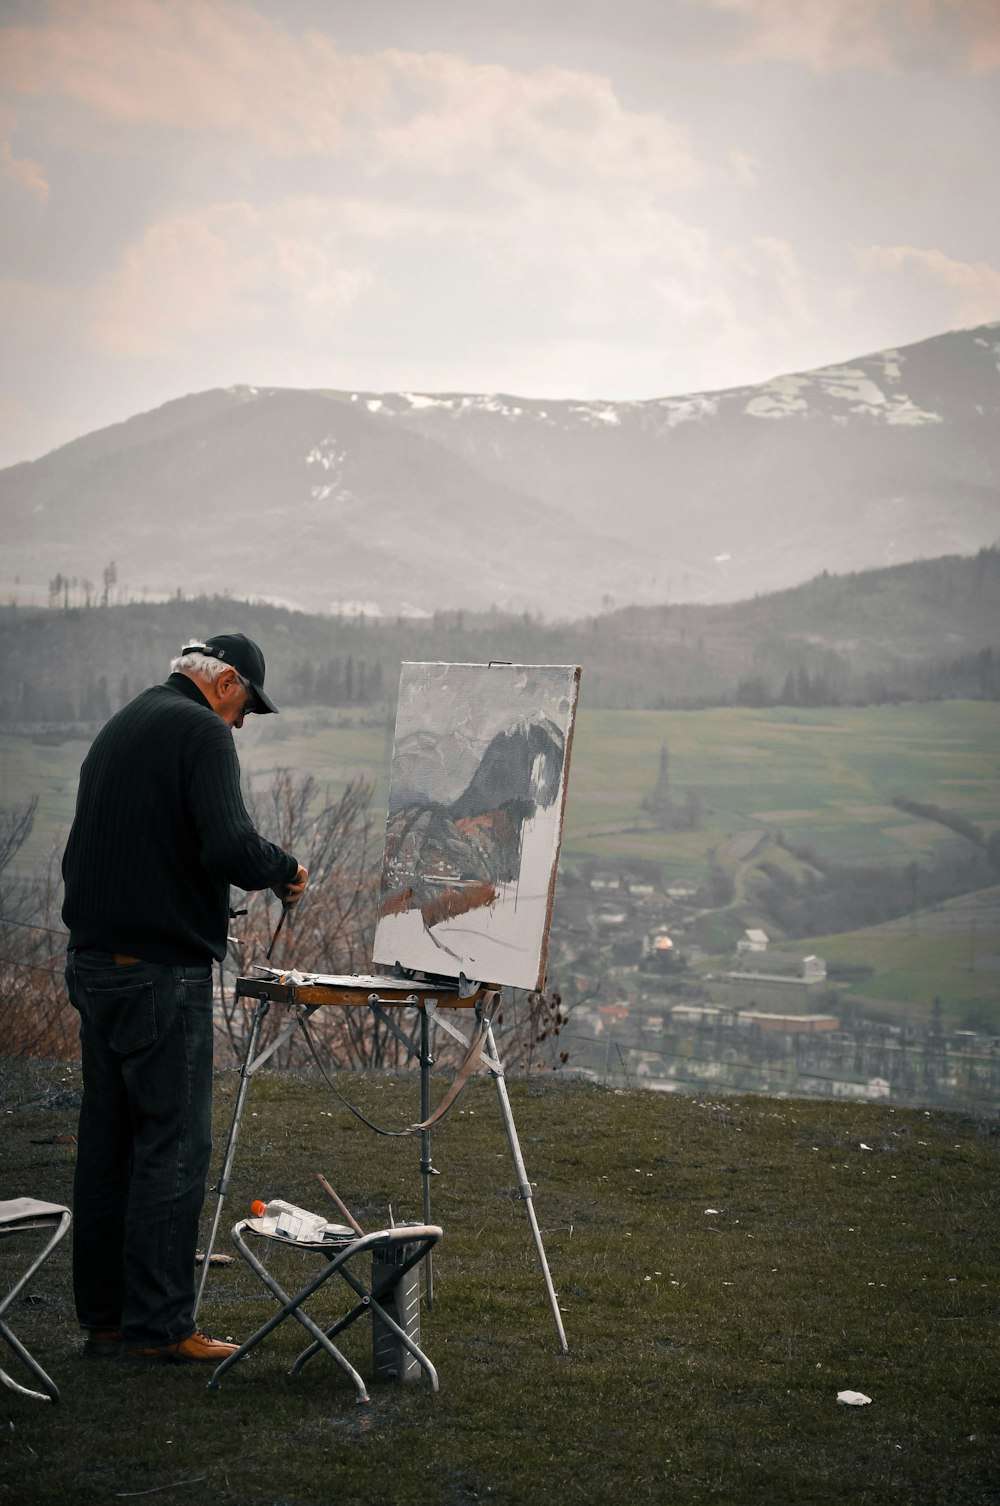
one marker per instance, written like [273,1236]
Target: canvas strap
[468,1065]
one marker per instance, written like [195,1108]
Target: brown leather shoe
[103,1343]
[195,1349]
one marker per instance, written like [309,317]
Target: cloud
[744,167]
[275,207]
[24,172]
[309,287]
[967,292]
[640,289]
[542,183]
[193,66]
[229,267]
[221,68]
[883,35]
[558,128]
[306,264]
[771,282]
[37,312]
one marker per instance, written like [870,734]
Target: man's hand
[290,894]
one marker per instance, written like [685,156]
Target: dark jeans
[145,1140]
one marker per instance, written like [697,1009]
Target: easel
[381,994]
[520,718]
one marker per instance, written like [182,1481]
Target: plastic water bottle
[288,1220]
[273,1208]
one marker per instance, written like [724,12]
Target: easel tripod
[429,997]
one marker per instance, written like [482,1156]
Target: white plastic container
[290,1222]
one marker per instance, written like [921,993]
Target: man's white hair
[194,660]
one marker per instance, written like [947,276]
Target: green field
[335,747]
[48,770]
[823,777]
[951,953]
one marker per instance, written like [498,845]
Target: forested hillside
[920,631]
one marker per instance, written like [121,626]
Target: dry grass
[850,1247]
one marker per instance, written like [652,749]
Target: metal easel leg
[495,1067]
[426,1166]
[423,1055]
[222,1186]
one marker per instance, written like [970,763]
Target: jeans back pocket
[124,1014]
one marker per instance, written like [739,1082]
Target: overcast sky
[563,198]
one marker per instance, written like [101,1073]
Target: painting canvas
[476,798]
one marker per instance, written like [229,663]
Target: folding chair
[23,1215]
[392,1297]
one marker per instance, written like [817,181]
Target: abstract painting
[476,799]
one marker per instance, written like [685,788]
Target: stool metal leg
[420,1236]
[370,1302]
[50,1391]
[290,1307]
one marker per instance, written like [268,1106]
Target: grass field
[48,770]
[951,953]
[825,777]
[335,747]
[822,776]
[724,1270]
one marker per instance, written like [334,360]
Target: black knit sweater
[161,832]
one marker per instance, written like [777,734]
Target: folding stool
[23,1215]
[394,1253]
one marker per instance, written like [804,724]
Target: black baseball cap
[239,651]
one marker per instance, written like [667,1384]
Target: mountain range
[405,503]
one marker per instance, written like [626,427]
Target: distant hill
[926,630]
[408,501]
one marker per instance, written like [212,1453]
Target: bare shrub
[36,1017]
[329,931]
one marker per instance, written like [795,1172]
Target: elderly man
[159,835]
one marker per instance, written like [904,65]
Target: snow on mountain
[565,507]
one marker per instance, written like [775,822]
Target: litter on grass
[853,1398]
